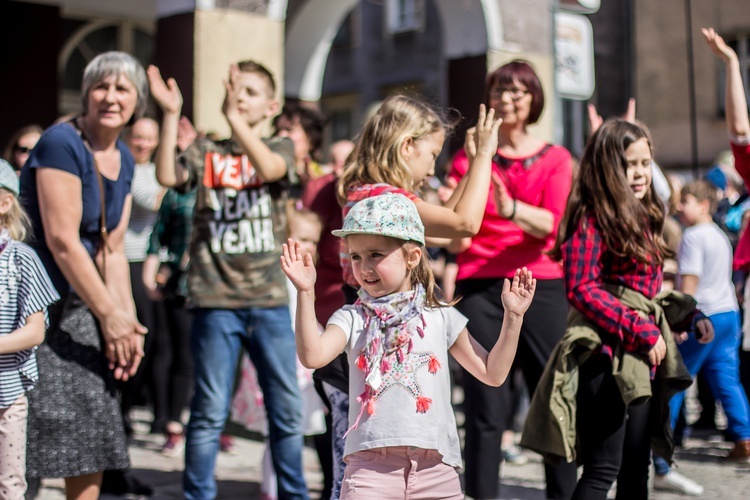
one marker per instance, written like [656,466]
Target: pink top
[741,150]
[542,180]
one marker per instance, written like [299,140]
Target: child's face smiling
[638,172]
[379,264]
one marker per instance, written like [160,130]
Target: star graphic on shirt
[404,374]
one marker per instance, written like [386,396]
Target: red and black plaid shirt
[588,266]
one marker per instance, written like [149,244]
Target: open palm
[718,45]
[166,93]
[518,292]
[299,268]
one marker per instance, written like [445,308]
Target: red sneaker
[174,445]
[226,443]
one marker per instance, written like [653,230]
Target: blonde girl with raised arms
[25,293]
[402,436]
[396,152]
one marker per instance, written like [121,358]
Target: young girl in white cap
[402,436]
[25,293]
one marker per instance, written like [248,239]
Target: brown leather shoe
[741,452]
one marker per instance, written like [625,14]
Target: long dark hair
[629,226]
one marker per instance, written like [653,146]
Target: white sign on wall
[574,56]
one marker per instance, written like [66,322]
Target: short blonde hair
[15,220]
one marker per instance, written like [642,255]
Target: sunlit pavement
[238,473]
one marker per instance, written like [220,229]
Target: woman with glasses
[20,145]
[531,181]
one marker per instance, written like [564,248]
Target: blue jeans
[720,362]
[217,336]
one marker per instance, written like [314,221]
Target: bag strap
[103,233]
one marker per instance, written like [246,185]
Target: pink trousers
[13,449]
[399,472]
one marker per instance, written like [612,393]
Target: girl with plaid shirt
[611,234]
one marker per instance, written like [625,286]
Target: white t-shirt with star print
[395,420]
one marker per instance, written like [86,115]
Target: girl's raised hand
[718,45]
[487,131]
[518,292]
[166,94]
[299,268]
[483,138]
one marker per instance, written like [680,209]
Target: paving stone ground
[238,473]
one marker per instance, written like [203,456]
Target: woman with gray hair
[76,188]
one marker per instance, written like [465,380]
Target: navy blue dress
[74,425]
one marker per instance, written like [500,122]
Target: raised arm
[492,368]
[268,165]
[314,350]
[738,123]
[463,212]
[167,95]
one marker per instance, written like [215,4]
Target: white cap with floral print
[389,214]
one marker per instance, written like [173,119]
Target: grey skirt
[74,426]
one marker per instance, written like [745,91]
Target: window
[85,39]
[741,45]
[404,15]
[343,117]
[347,36]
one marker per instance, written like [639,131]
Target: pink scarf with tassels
[390,323]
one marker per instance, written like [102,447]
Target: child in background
[235,283]
[25,293]
[705,272]
[402,436]
[705,266]
[247,405]
[738,127]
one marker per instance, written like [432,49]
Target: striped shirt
[145,190]
[25,288]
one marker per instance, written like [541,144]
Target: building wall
[361,74]
[223,37]
[661,75]
[28,87]
[527,31]
[375,64]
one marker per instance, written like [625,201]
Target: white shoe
[674,481]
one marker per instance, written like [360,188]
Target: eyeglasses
[514,92]
[22,149]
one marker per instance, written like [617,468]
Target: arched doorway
[450,72]
[470,28]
